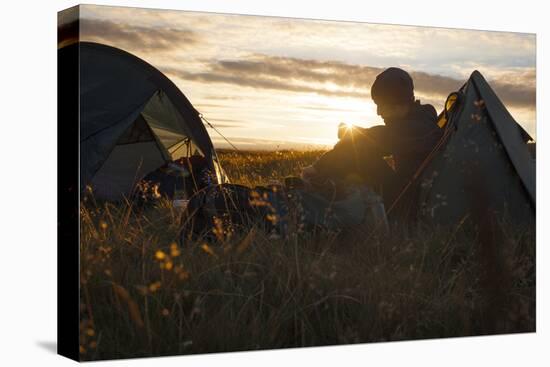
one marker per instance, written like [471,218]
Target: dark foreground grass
[143,294]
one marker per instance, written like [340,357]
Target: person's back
[411,138]
[409,134]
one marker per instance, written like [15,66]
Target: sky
[286,83]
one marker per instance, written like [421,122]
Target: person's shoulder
[429,109]
[425,111]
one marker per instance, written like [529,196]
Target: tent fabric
[96,149]
[113,180]
[165,120]
[485,163]
[137,133]
[509,133]
[119,93]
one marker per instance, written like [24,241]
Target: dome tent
[483,161]
[133,120]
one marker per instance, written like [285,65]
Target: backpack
[222,212]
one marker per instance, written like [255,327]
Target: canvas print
[250,183]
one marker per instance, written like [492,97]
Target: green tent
[483,161]
[133,120]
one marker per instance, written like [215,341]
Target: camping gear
[359,206]
[481,163]
[221,212]
[176,180]
[133,120]
[218,212]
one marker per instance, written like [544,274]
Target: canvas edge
[68,189]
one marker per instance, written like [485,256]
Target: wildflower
[160,255]
[272,218]
[153,287]
[218,228]
[174,250]
[208,250]
[155,191]
[168,265]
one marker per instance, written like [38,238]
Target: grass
[142,294]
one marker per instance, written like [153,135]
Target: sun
[347,125]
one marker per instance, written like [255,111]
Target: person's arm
[333,161]
[347,154]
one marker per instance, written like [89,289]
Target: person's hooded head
[393,93]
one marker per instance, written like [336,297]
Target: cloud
[260,83]
[338,79]
[323,108]
[226,123]
[209,105]
[516,87]
[135,37]
[432,54]
[221,98]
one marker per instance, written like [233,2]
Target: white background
[28,183]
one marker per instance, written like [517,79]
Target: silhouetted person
[409,134]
